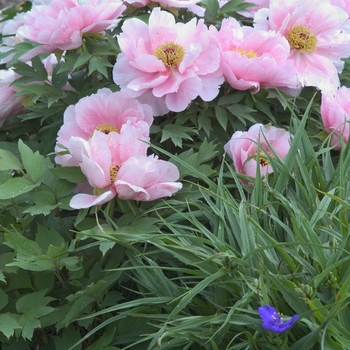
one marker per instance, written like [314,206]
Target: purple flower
[273,321]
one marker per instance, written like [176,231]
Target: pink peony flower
[116,166]
[252,57]
[10,104]
[146,179]
[318,34]
[335,112]
[62,23]
[244,146]
[168,64]
[105,111]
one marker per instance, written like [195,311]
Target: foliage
[187,272]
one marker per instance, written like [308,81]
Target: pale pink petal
[81,201]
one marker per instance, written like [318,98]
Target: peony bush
[175,175]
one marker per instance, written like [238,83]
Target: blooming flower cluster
[68,21]
[164,64]
[318,35]
[105,134]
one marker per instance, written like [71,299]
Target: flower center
[113,171]
[262,158]
[249,54]
[302,39]
[170,54]
[106,128]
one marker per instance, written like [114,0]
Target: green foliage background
[187,272]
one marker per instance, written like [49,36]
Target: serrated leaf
[177,133]
[8,324]
[34,163]
[32,301]
[207,151]
[100,65]
[28,325]
[15,187]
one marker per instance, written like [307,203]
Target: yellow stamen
[262,158]
[113,171]
[302,39]
[170,54]
[249,54]
[106,128]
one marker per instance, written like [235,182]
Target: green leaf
[24,69]
[18,280]
[59,79]
[8,161]
[42,89]
[212,8]
[69,337]
[34,163]
[3,299]
[83,299]
[221,116]
[40,209]
[15,187]
[82,59]
[47,237]
[99,64]
[28,325]
[22,245]
[44,203]
[103,341]
[8,324]
[72,174]
[39,67]
[177,133]
[32,307]
[33,301]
